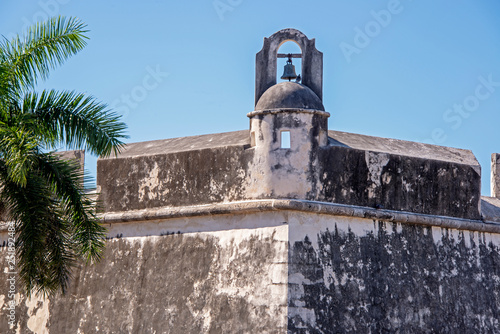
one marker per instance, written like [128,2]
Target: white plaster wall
[282,172]
[261,282]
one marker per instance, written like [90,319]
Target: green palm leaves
[55,220]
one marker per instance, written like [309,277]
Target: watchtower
[289,123]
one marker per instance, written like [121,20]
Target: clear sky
[426,71]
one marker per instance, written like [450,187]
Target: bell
[289,72]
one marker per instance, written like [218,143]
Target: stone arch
[285,48]
[266,62]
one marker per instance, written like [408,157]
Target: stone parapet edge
[302,206]
[283,110]
[333,209]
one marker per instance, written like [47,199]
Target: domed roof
[289,95]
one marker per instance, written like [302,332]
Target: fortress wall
[173,179]
[353,275]
[395,182]
[229,277]
[495,175]
[280,271]
[334,174]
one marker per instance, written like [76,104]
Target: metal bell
[289,72]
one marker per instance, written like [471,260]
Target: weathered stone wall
[361,276]
[277,172]
[395,182]
[277,272]
[175,179]
[187,171]
[495,175]
[229,281]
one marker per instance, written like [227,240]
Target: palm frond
[65,179]
[44,259]
[56,224]
[17,146]
[76,120]
[45,46]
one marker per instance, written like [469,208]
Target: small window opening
[285,139]
[252,139]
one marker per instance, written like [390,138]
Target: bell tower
[289,124]
[266,62]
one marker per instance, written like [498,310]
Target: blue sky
[425,71]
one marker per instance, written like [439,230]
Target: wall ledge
[333,209]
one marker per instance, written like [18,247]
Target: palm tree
[55,221]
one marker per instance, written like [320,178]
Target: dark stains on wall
[403,183]
[319,126]
[183,178]
[400,282]
[170,285]
[336,174]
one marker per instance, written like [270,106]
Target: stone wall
[495,175]
[278,271]
[174,179]
[367,276]
[223,168]
[395,182]
[229,281]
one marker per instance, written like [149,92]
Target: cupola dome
[289,96]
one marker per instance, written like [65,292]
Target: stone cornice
[243,207]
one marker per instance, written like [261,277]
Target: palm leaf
[46,45]
[35,212]
[56,224]
[75,120]
[65,179]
